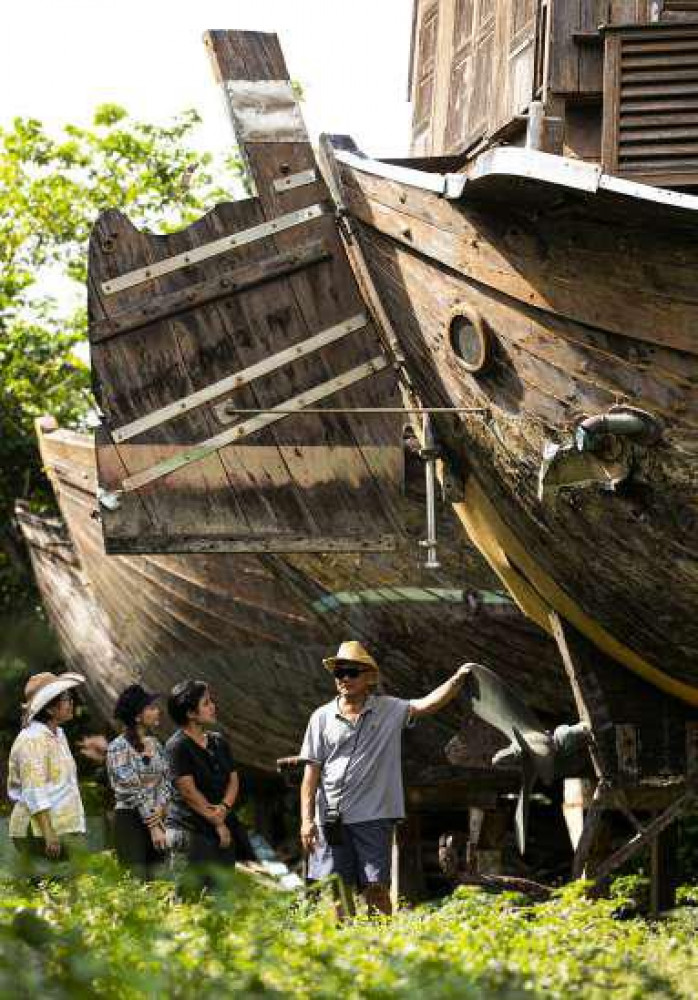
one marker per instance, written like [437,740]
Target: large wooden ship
[524,316]
[535,262]
[257,626]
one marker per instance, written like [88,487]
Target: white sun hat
[42,688]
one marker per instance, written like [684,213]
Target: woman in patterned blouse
[48,818]
[138,775]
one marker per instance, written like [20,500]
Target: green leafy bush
[104,935]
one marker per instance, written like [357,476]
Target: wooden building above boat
[617,79]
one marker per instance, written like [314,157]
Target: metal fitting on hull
[620,421]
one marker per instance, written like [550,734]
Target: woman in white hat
[48,816]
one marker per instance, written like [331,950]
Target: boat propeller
[542,754]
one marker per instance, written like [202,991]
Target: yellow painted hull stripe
[536,593]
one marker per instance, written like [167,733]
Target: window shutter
[461,75]
[689,7]
[426,66]
[650,131]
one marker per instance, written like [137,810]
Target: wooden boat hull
[257,627]
[85,634]
[590,300]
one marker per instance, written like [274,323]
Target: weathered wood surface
[585,312]
[473,70]
[257,627]
[537,259]
[651,98]
[477,64]
[173,316]
[84,632]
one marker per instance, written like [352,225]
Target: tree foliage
[51,190]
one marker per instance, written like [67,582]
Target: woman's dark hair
[131,735]
[129,705]
[185,698]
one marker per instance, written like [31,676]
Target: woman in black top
[205,782]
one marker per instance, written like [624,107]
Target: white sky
[61,58]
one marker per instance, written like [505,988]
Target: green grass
[104,935]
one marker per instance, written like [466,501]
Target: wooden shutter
[426,66]
[680,10]
[521,20]
[481,99]
[461,74]
[521,57]
[650,129]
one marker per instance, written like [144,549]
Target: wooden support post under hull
[646,838]
[591,704]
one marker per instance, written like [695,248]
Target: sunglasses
[340,673]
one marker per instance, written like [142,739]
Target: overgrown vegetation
[105,936]
[51,190]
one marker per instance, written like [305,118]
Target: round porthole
[470,340]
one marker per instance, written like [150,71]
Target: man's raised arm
[441,695]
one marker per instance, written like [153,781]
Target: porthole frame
[484,336]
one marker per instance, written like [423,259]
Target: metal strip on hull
[300,179]
[213,249]
[248,427]
[236,381]
[525,164]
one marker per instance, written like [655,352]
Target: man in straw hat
[48,814]
[352,792]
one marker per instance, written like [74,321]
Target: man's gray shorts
[362,859]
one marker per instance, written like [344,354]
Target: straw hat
[42,688]
[351,652]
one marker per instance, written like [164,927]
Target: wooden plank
[591,704]
[668,120]
[641,59]
[590,56]
[667,75]
[639,135]
[563,58]
[668,105]
[332,293]
[611,107]
[238,379]
[202,252]
[478,246]
[212,445]
[281,543]
[235,335]
[633,91]
[590,831]
[586,370]
[202,292]
[140,381]
[644,839]
[659,152]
